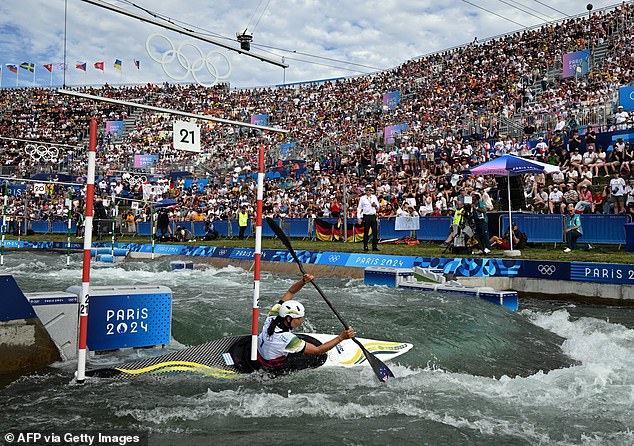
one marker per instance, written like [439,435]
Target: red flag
[49,67]
[137,64]
[99,66]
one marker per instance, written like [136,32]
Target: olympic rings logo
[185,58]
[135,180]
[333,258]
[42,153]
[547,270]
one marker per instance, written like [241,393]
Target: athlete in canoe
[277,341]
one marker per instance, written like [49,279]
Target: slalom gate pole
[85,281]
[258,255]
[70,223]
[4,221]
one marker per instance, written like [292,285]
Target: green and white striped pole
[152,229]
[70,223]
[4,221]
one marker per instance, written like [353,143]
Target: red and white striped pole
[85,280]
[258,254]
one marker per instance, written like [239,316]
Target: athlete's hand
[347,334]
[307,278]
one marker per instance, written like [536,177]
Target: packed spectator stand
[462,107]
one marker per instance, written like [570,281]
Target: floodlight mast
[180,30]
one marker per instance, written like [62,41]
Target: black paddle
[380,369]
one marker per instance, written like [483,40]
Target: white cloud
[375,33]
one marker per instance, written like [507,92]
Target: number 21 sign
[186,136]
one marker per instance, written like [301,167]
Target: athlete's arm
[294,289]
[311,349]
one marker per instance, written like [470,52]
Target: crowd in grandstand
[453,103]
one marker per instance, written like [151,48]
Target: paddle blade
[280,235]
[382,372]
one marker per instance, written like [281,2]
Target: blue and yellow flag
[117,64]
[28,66]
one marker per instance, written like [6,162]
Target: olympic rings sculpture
[135,180]
[42,153]
[175,56]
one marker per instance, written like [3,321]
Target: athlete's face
[296,322]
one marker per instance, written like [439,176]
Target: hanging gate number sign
[186,136]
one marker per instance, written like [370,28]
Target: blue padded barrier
[39,227]
[606,229]
[434,228]
[539,228]
[221,227]
[298,227]
[61,227]
[144,229]
[266,229]
[387,231]
[198,228]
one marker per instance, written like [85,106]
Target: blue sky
[371,34]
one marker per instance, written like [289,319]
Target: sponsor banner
[333,258]
[122,321]
[284,148]
[543,269]
[114,129]
[392,131]
[145,161]
[471,267]
[392,99]
[17,190]
[626,97]
[602,272]
[365,260]
[407,223]
[225,253]
[242,253]
[262,120]
[576,63]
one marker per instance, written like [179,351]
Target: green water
[479,374]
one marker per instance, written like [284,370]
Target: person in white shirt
[620,118]
[366,213]
[554,199]
[617,187]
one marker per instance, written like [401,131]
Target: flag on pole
[12,68]
[81,66]
[28,66]
[137,64]
[99,66]
[61,66]
[117,64]
[49,68]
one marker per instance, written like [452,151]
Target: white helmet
[291,308]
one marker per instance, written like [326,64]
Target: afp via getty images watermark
[76,438]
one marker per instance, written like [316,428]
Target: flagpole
[17,76]
[33,74]
[51,76]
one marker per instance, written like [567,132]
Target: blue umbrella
[167,202]
[508,165]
